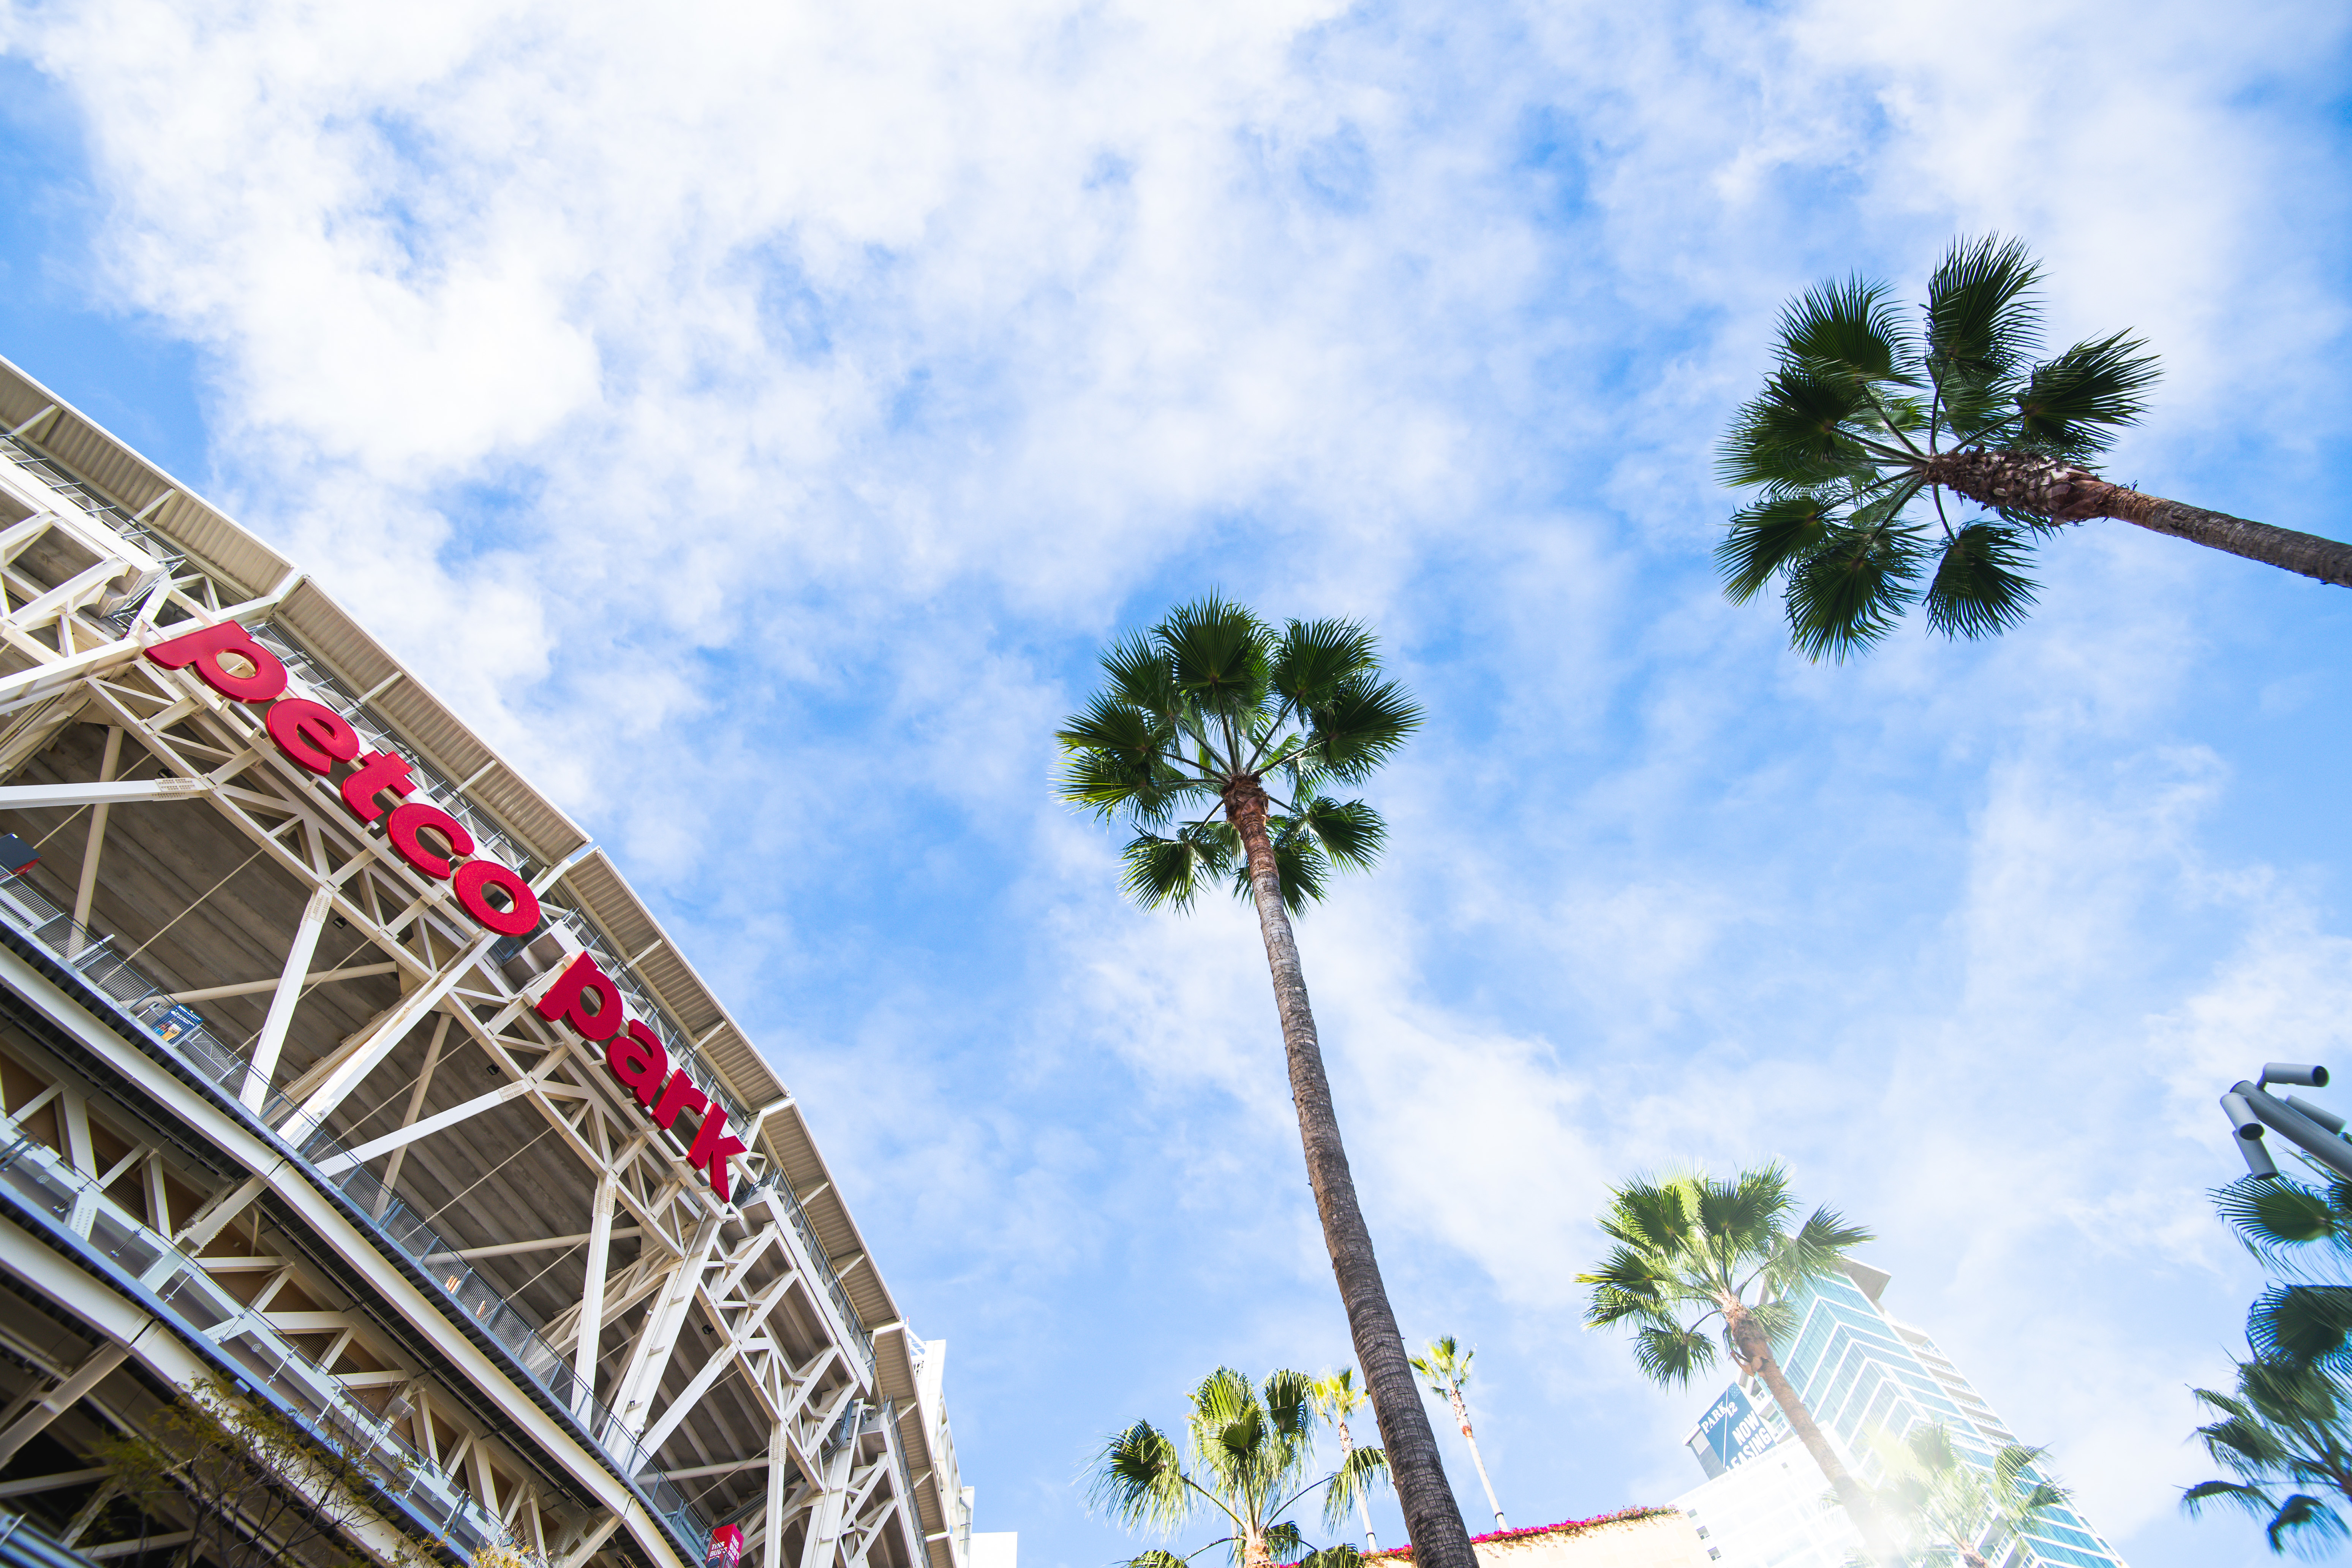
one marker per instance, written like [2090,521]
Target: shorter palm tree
[1445,1367]
[1337,1397]
[1691,1250]
[2288,1426]
[1950,1504]
[1251,1451]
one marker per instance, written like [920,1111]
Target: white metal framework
[274,1109]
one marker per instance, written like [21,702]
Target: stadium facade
[1766,1504]
[343,1077]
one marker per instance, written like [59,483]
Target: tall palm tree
[1861,418]
[1950,1504]
[1690,1250]
[1251,1451]
[1337,1397]
[1445,1367]
[1201,715]
[2288,1424]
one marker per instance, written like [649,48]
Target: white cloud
[753,420]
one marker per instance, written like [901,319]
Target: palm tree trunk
[2050,488]
[1462,1414]
[1432,1520]
[1755,1351]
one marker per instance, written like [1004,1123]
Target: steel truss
[804,1419]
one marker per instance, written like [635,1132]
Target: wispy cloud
[754,420]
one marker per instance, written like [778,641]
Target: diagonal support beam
[60,1399]
[86,891]
[350,1072]
[400,1138]
[264,1067]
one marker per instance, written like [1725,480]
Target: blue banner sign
[1732,1431]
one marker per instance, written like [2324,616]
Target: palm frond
[1358,725]
[1983,319]
[1218,653]
[1350,832]
[1848,595]
[2270,1214]
[2071,407]
[1668,1354]
[1849,329]
[1978,590]
[1815,1249]
[1172,870]
[1313,659]
[1362,1472]
[1284,1542]
[1762,541]
[2308,1524]
[1343,1556]
[1139,1480]
[1290,1400]
[2302,1323]
[1799,434]
[1140,674]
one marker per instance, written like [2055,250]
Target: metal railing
[42,1181]
[181,1030]
[774,1188]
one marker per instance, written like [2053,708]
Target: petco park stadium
[345,1084]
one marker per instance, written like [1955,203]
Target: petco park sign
[437,845]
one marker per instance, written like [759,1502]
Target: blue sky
[757,421]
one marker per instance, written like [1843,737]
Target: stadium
[350,1100]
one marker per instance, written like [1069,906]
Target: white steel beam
[263,1066]
[34,797]
[87,890]
[60,1399]
[633,1394]
[591,1328]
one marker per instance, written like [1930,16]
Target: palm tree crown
[1205,709]
[1251,1451]
[1862,417]
[1951,1504]
[1691,1250]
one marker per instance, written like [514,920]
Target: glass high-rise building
[1766,1504]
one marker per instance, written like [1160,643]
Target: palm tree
[1446,1368]
[1950,1503]
[1200,714]
[1690,1250]
[1859,417]
[2288,1424]
[1250,1449]
[1337,1397]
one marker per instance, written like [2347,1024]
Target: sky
[756,419]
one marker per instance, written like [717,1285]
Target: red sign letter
[637,1059]
[564,998]
[377,771]
[203,649]
[711,1152]
[681,1095]
[407,820]
[312,734]
[519,918]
